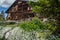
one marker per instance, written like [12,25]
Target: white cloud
[4,5]
[1,1]
[7,3]
[10,1]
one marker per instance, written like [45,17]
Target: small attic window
[19,2]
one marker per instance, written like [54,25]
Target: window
[25,16]
[19,7]
[16,17]
[25,7]
[19,2]
[31,15]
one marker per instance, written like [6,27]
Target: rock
[18,34]
[4,30]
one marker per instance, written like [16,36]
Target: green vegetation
[49,9]
[44,29]
[35,24]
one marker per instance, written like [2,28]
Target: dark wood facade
[19,10]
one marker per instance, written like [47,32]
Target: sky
[5,4]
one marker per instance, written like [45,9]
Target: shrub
[35,24]
[10,23]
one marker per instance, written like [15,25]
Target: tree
[2,18]
[49,9]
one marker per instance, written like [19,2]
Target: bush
[35,24]
[10,23]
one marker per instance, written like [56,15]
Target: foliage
[35,24]
[45,7]
[44,29]
[49,9]
[10,23]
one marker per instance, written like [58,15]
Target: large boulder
[17,34]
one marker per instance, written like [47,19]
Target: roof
[15,2]
[10,7]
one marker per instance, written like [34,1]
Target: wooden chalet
[19,10]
